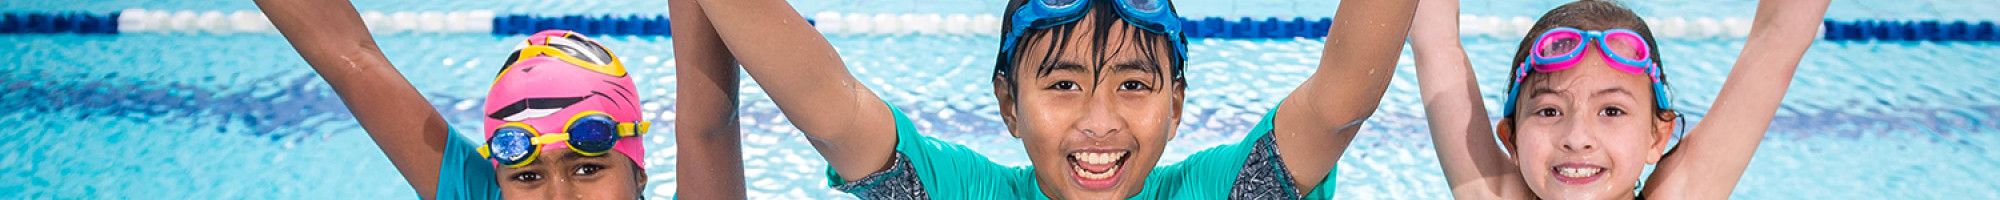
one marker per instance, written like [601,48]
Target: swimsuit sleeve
[925,167]
[1211,173]
[1248,169]
[463,174]
[1264,174]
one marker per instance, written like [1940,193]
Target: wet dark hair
[1104,15]
[1588,15]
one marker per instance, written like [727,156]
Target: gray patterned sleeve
[1264,175]
[898,182]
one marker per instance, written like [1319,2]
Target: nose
[563,189]
[1578,137]
[1100,118]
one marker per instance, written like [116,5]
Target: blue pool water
[240,116]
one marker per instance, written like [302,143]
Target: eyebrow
[572,155]
[1539,91]
[1140,65]
[1612,91]
[1060,66]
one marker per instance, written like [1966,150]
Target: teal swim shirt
[463,174]
[944,170]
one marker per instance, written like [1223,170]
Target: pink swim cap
[556,75]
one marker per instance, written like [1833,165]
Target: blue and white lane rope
[141,21]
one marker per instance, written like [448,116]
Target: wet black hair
[1589,15]
[1104,15]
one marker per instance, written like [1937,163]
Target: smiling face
[1586,132]
[1094,106]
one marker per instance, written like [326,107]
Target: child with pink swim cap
[562,119]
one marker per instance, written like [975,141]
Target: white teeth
[1089,175]
[1575,172]
[1097,158]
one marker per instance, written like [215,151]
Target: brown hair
[1587,15]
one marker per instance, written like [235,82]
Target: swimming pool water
[180,116]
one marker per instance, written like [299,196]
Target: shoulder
[463,174]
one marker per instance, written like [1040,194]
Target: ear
[642,179]
[640,182]
[1663,130]
[1505,129]
[1004,90]
[1180,94]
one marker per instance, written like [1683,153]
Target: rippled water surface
[178,116]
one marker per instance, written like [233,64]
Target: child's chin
[1113,193]
[1583,192]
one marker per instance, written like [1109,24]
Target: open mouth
[1097,170]
[1577,174]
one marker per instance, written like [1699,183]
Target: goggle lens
[512,145]
[593,134]
[1626,45]
[1559,44]
[1146,5]
[1059,3]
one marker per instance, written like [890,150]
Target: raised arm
[711,151]
[331,37]
[1315,123]
[849,125]
[1460,131]
[1711,158]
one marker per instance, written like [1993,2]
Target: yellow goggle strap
[629,129]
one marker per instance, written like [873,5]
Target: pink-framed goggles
[1560,48]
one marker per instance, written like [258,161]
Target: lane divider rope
[141,21]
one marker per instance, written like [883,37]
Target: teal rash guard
[926,167]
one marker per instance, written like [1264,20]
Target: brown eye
[1064,85]
[587,169]
[1547,112]
[529,176]
[1612,112]
[1134,85]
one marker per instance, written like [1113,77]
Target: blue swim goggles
[588,133]
[1156,16]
